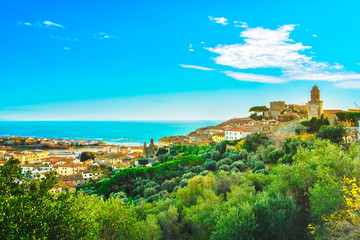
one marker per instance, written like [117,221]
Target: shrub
[183,183]
[258,165]
[215,155]
[210,165]
[221,147]
[243,154]
[275,155]
[149,191]
[154,197]
[253,157]
[334,133]
[224,167]
[225,161]
[169,185]
[188,175]
[197,169]
[240,165]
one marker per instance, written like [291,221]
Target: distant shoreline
[127,133]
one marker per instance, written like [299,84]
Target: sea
[112,132]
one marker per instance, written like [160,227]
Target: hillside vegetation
[248,189]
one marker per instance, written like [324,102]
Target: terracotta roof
[217,127]
[241,129]
[66,165]
[71,177]
[70,184]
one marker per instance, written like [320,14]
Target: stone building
[149,151]
[315,105]
[277,107]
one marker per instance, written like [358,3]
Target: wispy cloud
[314,35]
[249,77]
[197,67]
[102,35]
[52,24]
[73,39]
[43,24]
[241,24]
[349,84]
[191,49]
[220,20]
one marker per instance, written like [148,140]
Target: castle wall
[277,107]
[315,109]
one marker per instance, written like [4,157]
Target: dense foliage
[314,124]
[246,189]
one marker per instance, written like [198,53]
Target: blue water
[111,132]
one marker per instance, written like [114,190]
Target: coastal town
[38,156]
[180,120]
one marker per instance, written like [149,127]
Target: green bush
[275,155]
[239,165]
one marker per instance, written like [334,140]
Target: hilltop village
[66,157]
[280,118]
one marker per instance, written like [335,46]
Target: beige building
[277,107]
[216,130]
[331,115]
[69,169]
[218,137]
[29,157]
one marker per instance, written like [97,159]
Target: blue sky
[174,60]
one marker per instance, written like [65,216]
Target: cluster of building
[24,156]
[71,172]
[44,142]
[232,129]
[313,108]
[120,156]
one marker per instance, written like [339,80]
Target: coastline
[126,133]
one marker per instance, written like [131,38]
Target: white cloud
[325,76]
[241,24]
[266,48]
[43,24]
[314,35]
[249,77]
[220,20]
[102,35]
[197,67]
[191,48]
[349,84]
[52,24]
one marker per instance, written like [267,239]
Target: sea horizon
[111,132]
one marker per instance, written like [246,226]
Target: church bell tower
[315,105]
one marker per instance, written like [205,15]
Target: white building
[238,133]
